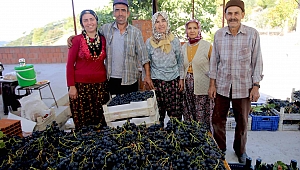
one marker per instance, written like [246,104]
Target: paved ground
[282,72]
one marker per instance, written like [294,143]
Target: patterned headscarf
[157,35]
[199,37]
[161,40]
[87,11]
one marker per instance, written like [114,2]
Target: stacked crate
[289,121]
[11,127]
[231,124]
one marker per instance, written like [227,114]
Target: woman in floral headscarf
[166,63]
[196,52]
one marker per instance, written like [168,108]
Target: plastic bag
[70,124]
[10,76]
[32,107]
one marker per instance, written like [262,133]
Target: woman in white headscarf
[166,63]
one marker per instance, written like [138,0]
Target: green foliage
[282,13]
[279,164]
[22,41]
[2,143]
[105,15]
[266,3]
[209,13]
[180,11]
[140,9]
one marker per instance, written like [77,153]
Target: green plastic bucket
[25,75]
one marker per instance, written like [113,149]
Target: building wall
[34,54]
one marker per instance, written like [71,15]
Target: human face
[121,13]
[192,30]
[234,15]
[89,23]
[161,24]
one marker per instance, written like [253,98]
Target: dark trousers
[115,87]
[241,110]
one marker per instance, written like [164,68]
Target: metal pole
[223,13]
[74,18]
[193,9]
[154,6]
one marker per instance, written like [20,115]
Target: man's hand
[69,41]
[148,83]
[254,94]
[212,90]
[181,85]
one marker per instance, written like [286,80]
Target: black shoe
[242,158]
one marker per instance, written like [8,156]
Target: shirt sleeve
[257,62]
[141,50]
[148,47]
[179,57]
[72,57]
[214,60]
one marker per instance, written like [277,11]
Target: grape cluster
[181,145]
[289,107]
[297,94]
[131,97]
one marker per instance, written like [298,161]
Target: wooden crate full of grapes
[289,113]
[135,106]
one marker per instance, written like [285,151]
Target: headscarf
[161,40]
[199,37]
[87,11]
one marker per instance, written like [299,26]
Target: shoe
[242,158]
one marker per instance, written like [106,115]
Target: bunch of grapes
[131,97]
[289,107]
[297,94]
[180,145]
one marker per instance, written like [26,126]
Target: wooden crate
[287,116]
[118,115]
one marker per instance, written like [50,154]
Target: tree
[266,3]
[37,33]
[179,12]
[281,13]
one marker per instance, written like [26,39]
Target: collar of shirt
[241,30]
[116,27]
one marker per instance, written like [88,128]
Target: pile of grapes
[289,107]
[131,97]
[180,145]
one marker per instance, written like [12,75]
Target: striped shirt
[236,61]
[135,52]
